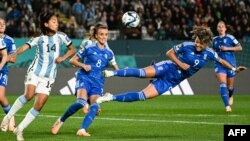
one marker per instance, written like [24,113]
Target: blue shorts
[161,85]
[167,76]
[89,86]
[221,69]
[3,78]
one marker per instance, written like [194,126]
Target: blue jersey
[11,48]
[228,41]
[168,73]
[98,59]
[195,59]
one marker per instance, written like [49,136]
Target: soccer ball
[130,19]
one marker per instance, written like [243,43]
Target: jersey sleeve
[213,55]
[113,61]
[236,42]
[178,48]
[82,52]
[65,39]
[33,42]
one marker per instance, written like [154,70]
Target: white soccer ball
[130,19]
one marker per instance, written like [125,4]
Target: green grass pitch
[173,118]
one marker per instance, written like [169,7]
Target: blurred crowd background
[160,19]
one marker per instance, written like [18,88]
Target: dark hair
[97,27]
[203,33]
[229,28]
[44,18]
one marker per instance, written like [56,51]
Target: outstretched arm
[171,54]
[70,52]
[20,50]
[227,65]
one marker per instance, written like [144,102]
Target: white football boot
[56,126]
[107,73]
[19,134]
[5,124]
[228,109]
[83,133]
[105,98]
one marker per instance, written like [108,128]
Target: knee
[81,101]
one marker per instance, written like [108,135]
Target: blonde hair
[203,33]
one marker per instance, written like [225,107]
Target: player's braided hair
[203,33]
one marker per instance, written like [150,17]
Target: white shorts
[43,85]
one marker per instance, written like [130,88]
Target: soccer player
[225,45]
[11,48]
[185,60]
[90,40]
[42,71]
[92,61]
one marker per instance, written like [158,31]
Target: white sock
[18,104]
[30,116]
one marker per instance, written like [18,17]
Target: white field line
[141,120]
[181,115]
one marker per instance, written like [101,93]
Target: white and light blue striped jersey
[86,42]
[48,49]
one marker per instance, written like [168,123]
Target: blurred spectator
[77,10]
[160,19]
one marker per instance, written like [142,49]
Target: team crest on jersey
[205,57]
[106,56]
[224,41]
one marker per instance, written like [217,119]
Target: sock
[130,72]
[30,116]
[18,104]
[230,92]
[223,93]
[73,108]
[130,96]
[6,108]
[89,118]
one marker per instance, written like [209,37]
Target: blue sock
[6,108]
[230,92]
[89,118]
[223,93]
[73,108]
[130,96]
[130,72]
